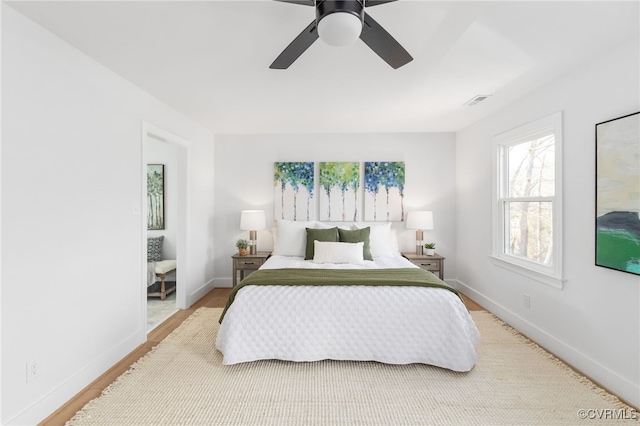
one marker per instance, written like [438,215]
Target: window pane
[530,231]
[532,168]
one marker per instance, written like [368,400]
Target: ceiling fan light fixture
[338,23]
[339,28]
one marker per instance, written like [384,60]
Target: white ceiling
[210,59]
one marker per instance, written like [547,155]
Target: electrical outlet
[33,369]
[526,301]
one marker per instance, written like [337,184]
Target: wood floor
[217,298]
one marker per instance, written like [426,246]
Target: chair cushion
[165,266]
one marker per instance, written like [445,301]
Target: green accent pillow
[330,234]
[357,236]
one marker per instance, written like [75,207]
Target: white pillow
[393,244]
[330,252]
[383,241]
[321,225]
[290,236]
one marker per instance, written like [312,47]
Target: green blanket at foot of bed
[414,277]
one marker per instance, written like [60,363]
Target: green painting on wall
[384,191]
[618,194]
[293,190]
[340,191]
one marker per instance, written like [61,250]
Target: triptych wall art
[294,183]
[340,189]
[618,194]
[384,191]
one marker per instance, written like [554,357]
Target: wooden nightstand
[250,262]
[433,263]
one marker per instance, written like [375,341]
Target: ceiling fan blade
[381,42]
[371,3]
[296,47]
[303,2]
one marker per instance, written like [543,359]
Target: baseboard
[200,292]
[61,394]
[600,374]
[224,282]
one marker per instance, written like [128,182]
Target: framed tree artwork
[293,190]
[384,191]
[155,196]
[340,191]
[618,194]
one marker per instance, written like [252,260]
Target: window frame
[550,275]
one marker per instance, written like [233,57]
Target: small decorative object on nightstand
[243,247]
[430,249]
[249,262]
[433,263]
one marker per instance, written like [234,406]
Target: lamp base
[419,243]
[253,236]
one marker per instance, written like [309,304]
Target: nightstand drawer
[434,263]
[429,266]
[248,264]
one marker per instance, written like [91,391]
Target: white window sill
[533,274]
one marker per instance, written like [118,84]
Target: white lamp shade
[420,220]
[339,28]
[252,220]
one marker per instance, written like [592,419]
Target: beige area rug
[183,382]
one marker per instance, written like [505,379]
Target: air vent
[476,99]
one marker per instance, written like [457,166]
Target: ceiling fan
[339,23]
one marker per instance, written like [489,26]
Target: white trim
[204,289]
[520,267]
[1,286]
[182,229]
[54,398]
[550,275]
[528,199]
[534,130]
[586,365]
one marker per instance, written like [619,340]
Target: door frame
[182,224]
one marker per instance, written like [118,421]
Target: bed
[270,316]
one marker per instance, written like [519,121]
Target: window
[528,200]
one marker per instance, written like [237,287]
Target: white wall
[594,321]
[72,248]
[244,180]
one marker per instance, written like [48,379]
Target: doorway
[168,153]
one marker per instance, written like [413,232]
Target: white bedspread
[394,325]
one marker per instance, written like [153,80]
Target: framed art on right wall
[618,194]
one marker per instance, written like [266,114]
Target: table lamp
[252,220]
[420,220]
